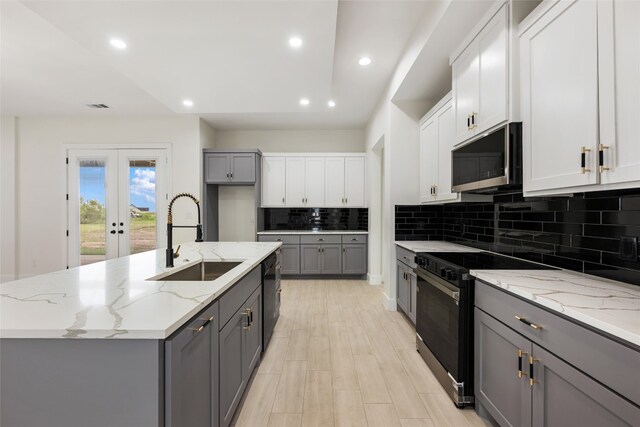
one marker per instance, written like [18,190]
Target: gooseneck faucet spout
[170,226]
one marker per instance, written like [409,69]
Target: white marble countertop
[312,232]
[115,299]
[435,246]
[608,305]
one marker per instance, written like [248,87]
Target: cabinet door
[619,53]
[446,140]
[354,188]
[564,396]
[428,159]
[465,91]
[273,181]
[559,76]
[314,182]
[402,287]
[295,176]
[354,259]
[191,366]
[493,49]
[331,256]
[334,181]
[290,259]
[233,378]
[217,168]
[243,168]
[310,259]
[413,296]
[253,334]
[505,395]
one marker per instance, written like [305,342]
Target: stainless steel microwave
[490,164]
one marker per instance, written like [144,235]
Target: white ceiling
[230,57]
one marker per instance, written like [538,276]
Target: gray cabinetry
[321,254]
[499,387]
[253,334]
[290,259]
[520,383]
[230,168]
[354,258]
[191,366]
[406,283]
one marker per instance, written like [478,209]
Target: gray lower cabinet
[290,259]
[240,347]
[191,369]
[321,259]
[318,254]
[520,383]
[403,287]
[406,289]
[354,259]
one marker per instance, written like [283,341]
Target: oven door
[438,318]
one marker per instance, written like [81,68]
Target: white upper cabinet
[481,77]
[580,87]
[437,138]
[334,181]
[295,173]
[619,51]
[354,181]
[314,181]
[273,181]
[560,85]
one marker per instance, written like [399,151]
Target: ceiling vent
[97,106]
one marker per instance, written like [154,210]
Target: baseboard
[374,279]
[388,303]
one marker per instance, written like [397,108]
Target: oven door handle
[440,284]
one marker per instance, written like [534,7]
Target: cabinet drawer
[604,359]
[287,239]
[318,239]
[238,294]
[406,256]
[354,238]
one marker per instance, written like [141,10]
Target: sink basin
[203,271]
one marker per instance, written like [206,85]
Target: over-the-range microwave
[491,163]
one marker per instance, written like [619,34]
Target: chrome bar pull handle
[601,167]
[526,322]
[583,159]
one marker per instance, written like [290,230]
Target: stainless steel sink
[203,271]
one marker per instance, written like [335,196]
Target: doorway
[117,201]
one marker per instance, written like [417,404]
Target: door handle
[601,167]
[583,160]
[526,322]
[521,373]
[204,325]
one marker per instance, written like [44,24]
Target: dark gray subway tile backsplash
[330,219]
[580,233]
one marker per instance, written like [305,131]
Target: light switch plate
[629,248]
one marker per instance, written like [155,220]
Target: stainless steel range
[444,314]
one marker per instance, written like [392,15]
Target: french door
[117,203]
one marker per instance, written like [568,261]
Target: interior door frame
[73,252]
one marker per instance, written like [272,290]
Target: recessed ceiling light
[304,102]
[331,103]
[295,42]
[118,44]
[364,61]
[187,103]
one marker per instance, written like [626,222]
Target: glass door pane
[142,206]
[93,212]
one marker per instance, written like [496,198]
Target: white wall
[7,199]
[293,140]
[41,175]
[400,132]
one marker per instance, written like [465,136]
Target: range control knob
[452,275]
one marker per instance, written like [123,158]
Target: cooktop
[482,261]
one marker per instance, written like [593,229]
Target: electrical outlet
[629,248]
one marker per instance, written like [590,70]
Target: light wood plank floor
[338,358]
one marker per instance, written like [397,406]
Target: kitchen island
[113,344]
